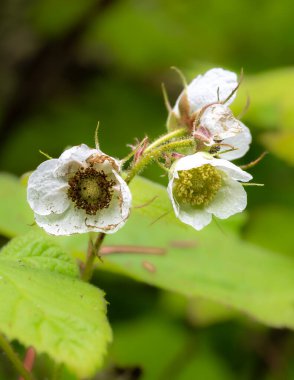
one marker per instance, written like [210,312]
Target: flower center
[198,186]
[90,190]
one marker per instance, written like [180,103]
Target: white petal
[195,217]
[201,158]
[220,122]
[232,170]
[126,197]
[70,222]
[204,89]
[107,164]
[78,153]
[107,220]
[77,156]
[241,141]
[229,200]
[192,161]
[47,193]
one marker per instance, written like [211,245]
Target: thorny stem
[93,251]
[15,360]
[154,154]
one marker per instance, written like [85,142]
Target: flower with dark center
[90,190]
[201,186]
[81,191]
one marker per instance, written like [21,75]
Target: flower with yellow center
[79,192]
[201,186]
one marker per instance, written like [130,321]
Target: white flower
[214,86]
[223,128]
[203,108]
[79,192]
[201,186]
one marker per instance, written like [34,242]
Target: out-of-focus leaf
[281,144]
[198,311]
[213,264]
[206,365]
[150,343]
[56,313]
[271,101]
[165,32]
[53,18]
[269,227]
[15,214]
[164,350]
[202,312]
[74,121]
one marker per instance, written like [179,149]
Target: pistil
[198,186]
[90,190]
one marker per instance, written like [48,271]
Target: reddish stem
[29,360]
[107,250]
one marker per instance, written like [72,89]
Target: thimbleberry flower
[203,109]
[222,127]
[201,186]
[79,192]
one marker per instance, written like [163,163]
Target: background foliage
[220,306]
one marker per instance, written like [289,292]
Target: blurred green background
[66,65]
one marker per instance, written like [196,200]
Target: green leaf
[271,102]
[56,313]
[38,252]
[281,144]
[272,220]
[178,354]
[16,217]
[49,23]
[213,264]
[271,109]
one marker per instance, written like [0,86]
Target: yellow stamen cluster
[198,186]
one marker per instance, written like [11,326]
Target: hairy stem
[156,153]
[169,136]
[15,360]
[93,252]
[153,151]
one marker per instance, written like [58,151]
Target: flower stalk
[93,252]
[156,153]
[169,136]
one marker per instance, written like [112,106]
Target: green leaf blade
[56,313]
[16,215]
[39,252]
[214,263]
